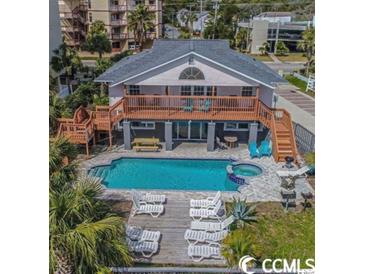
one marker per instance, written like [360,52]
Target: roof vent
[191,60]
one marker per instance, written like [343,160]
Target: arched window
[191,73]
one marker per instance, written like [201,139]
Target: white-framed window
[133,90]
[198,90]
[240,126]
[209,90]
[143,125]
[247,91]
[185,90]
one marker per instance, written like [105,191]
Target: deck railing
[77,133]
[190,107]
[284,117]
[81,128]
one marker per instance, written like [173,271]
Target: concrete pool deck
[263,188]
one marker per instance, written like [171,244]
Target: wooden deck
[81,129]
[172,224]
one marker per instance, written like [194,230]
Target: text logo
[243,264]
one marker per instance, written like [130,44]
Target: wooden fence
[184,270]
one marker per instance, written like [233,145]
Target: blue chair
[254,152]
[265,149]
[189,105]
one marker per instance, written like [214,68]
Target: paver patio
[260,189]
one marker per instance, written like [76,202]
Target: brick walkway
[298,99]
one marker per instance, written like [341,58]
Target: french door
[189,130]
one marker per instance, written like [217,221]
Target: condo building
[77,16]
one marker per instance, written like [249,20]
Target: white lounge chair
[200,252]
[199,236]
[153,210]
[205,213]
[147,249]
[149,198]
[138,234]
[293,173]
[205,203]
[212,226]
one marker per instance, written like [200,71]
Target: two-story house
[191,90]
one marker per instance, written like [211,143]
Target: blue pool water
[173,174]
[247,170]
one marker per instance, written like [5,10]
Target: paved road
[89,63]
[172,32]
[285,67]
[298,99]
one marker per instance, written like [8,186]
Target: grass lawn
[293,57]
[299,83]
[285,235]
[263,58]
[89,58]
[280,234]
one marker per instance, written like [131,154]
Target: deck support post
[252,137]
[168,136]
[87,149]
[110,138]
[127,135]
[211,136]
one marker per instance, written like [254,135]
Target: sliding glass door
[190,130]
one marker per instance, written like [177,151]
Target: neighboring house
[55,34]
[189,90]
[201,22]
[78,15]
[263,31]
[198,24]
[55,39]
[274,17]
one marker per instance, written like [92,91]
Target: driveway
[297,98]
[285,67]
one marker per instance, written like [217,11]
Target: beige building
[77,16]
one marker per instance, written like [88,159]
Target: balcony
[118,8]
[118,22]
[189,107]
[118,36]
[150,35]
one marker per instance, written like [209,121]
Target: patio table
[231,140]
[146,141]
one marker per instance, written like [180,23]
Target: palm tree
[241,39]
[237,244]
[62,169]
[264,48]
[57,109]
[189,18]
[308,46]
[66,61]
[140,21]
[97,39]
[281,48]
[84,237]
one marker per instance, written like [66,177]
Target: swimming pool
[171,174]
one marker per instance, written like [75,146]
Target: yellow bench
[150,148]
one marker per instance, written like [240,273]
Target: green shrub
[310,158]
[236,245]
[243,213]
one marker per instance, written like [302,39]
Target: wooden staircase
[283,133]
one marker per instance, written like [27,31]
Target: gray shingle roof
[166,50]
